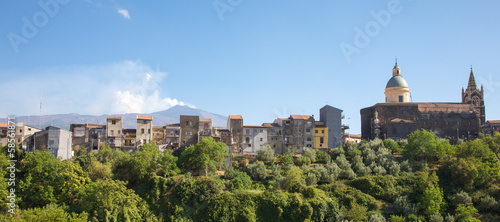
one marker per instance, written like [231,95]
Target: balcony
[128,136]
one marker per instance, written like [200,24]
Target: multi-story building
[205,128]
[173,135]
[320,135]
[286,128]
[275,137]
[332,117]
[159,135]
[129,138]
[190,125]
[254,137]
[144,130]
[114,126]
[355,138]
[55,140]
[303,128]
[216,133]
[97,137]
[81,135]
[22,132]
[225,137]
[235,127]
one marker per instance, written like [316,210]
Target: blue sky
[261,59]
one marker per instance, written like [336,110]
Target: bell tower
[472,95]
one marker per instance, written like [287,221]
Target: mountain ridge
[160,118]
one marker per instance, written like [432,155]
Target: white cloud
[124,87]
[124,12]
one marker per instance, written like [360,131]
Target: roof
[157,127]
[114,117]
[4,125]
[173,124]
[355,136]
[270,125]
[397,81]
[494,121]
[283,119]
[235,117]
[144,117]
[305,117]
[444,107]
[205,120]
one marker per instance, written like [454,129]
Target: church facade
[398,116]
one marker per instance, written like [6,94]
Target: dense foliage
[422,179]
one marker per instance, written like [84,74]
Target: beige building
[355,138]
[3,134]
[114,127]
[144,130]
[24,131]
[81,135]
[159,135]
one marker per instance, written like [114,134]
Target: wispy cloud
[124,87]
[124,12]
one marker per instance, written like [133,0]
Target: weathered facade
[159,135]
[190,126]
[81,135]
[235,127]
[491,126]
[173,135]
[275,137]
[397,119]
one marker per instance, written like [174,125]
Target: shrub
[461,197]
[310,153]
[488,204]
[266,154]
[303,161]
[436,218]
[311,179]
[257,171]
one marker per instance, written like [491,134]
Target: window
[118,132]
[309,123]
[29,129]
[254,131]
[261,139]
[247,131]
[261,131]
[20,130]
[111,132]
[113,122]
[142,130]
[321,140]
[186,133]
[308,130]
[149,131]
[316,131]
[190,133]
[322,131]
[424,122]
[247,140]
[308,139]
[205,125]
[469,123]
[458,122]
[144,121]
[187,123]
[400,98]
[435,122]
[446,122]
[190,123]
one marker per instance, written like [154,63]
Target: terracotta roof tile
[4,125]
[235,117]
[300,116]
[205,120]
[114,117]
[253,126]
[494,121]
[145,117]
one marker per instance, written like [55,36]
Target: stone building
[190,126]
[225,137]
[235,127]
[398,117]
[129,138]
[332,117]
[81,135]
[114,126]
[97,137]
[254,137]
[3,134]
[205,129]
[55,140]
[491,126]
[320,135]
[144,130]
[297,132]
[275,137]
[159,135]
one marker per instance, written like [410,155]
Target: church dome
[396,81]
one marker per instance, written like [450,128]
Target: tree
[206,156]
[310,153]
[106,200]
[240,182]
[432,201]
[424,145]
[45,179]
[257,171]
[466,213]
[52,212]
[391,145]
[266,154]
[294,178]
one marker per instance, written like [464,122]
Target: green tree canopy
[206,156]
[424,145]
